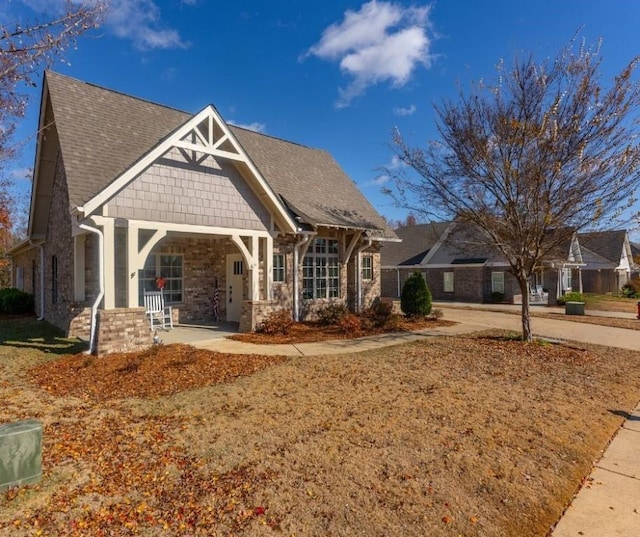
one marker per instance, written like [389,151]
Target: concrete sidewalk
[608,503]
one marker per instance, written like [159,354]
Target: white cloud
[383,41]
[380,180]
[401,111]
[139,21]
[255,126]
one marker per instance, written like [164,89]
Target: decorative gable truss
[203,136]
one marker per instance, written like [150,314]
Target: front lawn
[473,436]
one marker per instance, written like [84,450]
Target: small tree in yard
[416,297]
[544,152]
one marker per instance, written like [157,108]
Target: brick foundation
[122,330]
[254,312]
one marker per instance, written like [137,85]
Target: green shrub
[416,297]
[570,297]
[631,289]
[277,322]
[332,313]
[497,297]
[15,301]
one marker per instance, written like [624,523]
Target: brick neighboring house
[401,259]
[459,264]
[609,260]
[126,190]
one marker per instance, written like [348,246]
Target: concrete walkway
[608,504]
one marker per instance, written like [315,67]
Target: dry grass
[610,303]
[447,437]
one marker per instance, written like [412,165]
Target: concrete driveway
[476,319]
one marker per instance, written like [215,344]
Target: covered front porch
[215,279]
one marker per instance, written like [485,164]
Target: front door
[235,270]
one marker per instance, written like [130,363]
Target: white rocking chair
[158,313]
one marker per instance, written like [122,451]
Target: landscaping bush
[277,322]
[497,297]
[332,313]
[631,289]
[378,314]
[437,314]
[570,297]
[416,297]
[350,324]
[15,301]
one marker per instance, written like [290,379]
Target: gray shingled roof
[607,244]
[103,132]
[416,242]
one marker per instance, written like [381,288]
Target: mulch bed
[312,332]
[158,371]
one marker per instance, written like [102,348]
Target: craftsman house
[128,193]
[459,264]
[609,260]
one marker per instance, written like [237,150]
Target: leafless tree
[25,50]
[543,152]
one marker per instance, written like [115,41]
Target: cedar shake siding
[174,190]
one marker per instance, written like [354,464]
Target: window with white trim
[497,282]
[367,267]
[169,267]
[320,270]
[278,268]
[447,282]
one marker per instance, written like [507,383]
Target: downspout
[296,275]
[361,249]
[94,306]
[398,274]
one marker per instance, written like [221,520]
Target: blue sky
[337,75]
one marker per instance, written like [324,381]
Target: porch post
[132,265]
[78,268]
[254,282]
[268,267]
[580,279]
[109,260]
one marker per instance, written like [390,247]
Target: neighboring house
[460,264]
[609,260]
[126,191]
[401,259]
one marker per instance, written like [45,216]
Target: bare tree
[543,152]
[26,49]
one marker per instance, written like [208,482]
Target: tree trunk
[525,315]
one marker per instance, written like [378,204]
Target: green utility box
[574,308]
[20,454]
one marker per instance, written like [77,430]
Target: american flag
[215,300]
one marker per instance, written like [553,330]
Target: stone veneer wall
[254,312]
[59,243]
[80,323]
[204,261]
[372,289]
[122,330]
